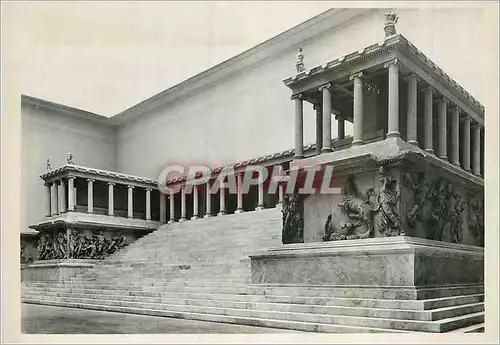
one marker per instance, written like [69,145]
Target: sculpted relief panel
[57,245]
[361,207]
[409,203]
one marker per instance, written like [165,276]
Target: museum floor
[41,319]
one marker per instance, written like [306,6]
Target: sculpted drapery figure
[388,199]
[293,219]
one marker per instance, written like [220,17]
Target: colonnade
[469,137]
[56,198]
[207,197]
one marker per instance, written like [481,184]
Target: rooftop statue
[49,167]
[69,158]
[391,19]
[299,63]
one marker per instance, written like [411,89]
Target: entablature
[71,170]
[371,60]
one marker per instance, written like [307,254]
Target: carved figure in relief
[117,242]
[388,199]
[436,209]
[293,219]
[476,218]
[60,246]
[456,221]
[359,208]
[414,182]
[45,247]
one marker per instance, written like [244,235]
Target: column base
[183,219]
[298,157]
[195,217]
[259,208]
[326,150]
[477,174]
[444,157]
[171,221]
[468,170]
[208,215]
[358,142]
[413,142]
[109,214]
[457,164]
[222,213]
[431,151]
[240,210]
[393,134]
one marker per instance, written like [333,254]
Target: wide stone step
[344,292]
[326,301]
[261,322]
[400,324]
[282,307]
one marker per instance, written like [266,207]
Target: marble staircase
[200,270]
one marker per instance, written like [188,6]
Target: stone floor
[39,319]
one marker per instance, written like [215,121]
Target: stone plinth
[398,261]
[54,270]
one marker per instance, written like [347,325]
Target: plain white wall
[47,134]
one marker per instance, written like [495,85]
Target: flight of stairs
[200,270]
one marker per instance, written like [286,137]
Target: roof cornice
[315,26]
[60,108]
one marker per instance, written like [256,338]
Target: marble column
[455,137]
[111,199]
[411,121]
[319,128]
[163,208]
[61,196]
[74,194]
[428,118]
[222,195]
[340,127]
[48,202]
[239,196]
[280,195]
[327,118]
[172,207]
[195,203]
[260,202]
[442,123]
[358,108]
[54,204]
[90,195]
[71,191]
[393,111]
[208,199]
[130,208]
[148,203]
[183,204]
[476,150]
[299,126]
[466,144]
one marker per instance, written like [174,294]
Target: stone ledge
[55,270]
[389,261]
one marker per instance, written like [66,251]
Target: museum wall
[250,113]
[47,134]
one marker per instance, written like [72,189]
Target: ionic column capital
[394,62]
[428,88]
[325,86]
[48,184]
[111,183]
[297,96]
[412,77]
[317,106]
[358,75]
[71,177]
[90,180]
[443,99]
[465,117]
[149,189]
[130,186]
